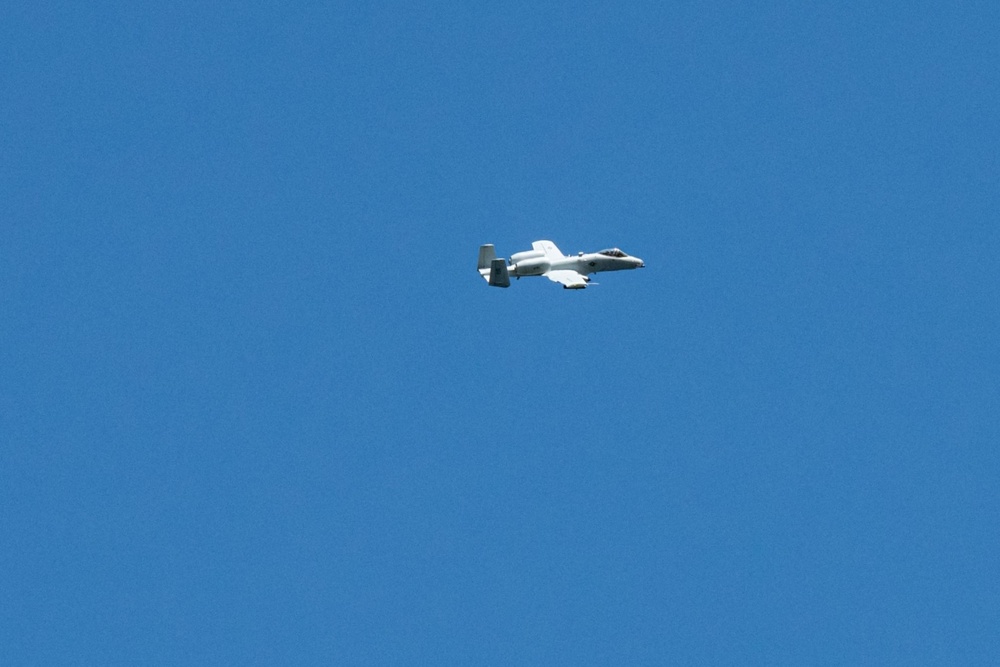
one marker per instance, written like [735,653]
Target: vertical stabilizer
[498,273]
[486,256]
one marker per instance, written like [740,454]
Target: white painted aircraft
[544,259]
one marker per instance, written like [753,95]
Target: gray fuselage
[584,263]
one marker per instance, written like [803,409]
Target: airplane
[545,259]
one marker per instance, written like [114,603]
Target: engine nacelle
[519,257]
[531,267]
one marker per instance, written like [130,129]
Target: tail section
[486,255]
[498,273]
[492,268]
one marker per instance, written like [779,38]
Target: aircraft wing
[569,278]
[549,248]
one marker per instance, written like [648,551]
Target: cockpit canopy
[613,252]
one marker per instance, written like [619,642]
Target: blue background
[258,407]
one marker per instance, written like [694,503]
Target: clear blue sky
[258,407]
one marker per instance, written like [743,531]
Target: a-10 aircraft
[545,259]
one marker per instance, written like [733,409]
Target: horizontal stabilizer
[498,273]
